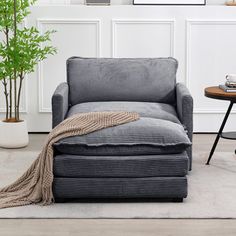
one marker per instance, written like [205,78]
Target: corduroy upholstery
[145,136]
[120,166]
[155,110]
[151,187]
[148,158]
[121,79]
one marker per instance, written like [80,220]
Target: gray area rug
[212,193]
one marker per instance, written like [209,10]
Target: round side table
[217,93]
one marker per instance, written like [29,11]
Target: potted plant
[21,48]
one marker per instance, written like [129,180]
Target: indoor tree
[21,48]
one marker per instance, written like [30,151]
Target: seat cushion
[145,109]
[120,166]
[126,79]
[134,138]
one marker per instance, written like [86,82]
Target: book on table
[227,89]
[230,84]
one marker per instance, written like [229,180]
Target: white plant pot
[13,134]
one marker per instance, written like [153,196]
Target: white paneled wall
[82,38]
[139,34]
[202,38]
[210,56]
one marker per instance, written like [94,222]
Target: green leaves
[20,50]
[27,50]
[5,70]
[7,12]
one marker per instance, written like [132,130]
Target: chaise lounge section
[148,158]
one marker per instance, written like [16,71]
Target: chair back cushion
[121,79]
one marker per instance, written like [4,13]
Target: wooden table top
[217,93]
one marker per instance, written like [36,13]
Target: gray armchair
[148,158]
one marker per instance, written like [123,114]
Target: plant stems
[6,98]
[15,76]
[19,95]
[15,98]
[10,89]
[10,92]
[15,51]
[5,81]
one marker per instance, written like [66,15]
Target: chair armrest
[60,104]
[185,107]
[185,113]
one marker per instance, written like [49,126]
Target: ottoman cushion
[145,136]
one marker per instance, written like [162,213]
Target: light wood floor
[125,227]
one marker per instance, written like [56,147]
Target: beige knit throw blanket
[35,185]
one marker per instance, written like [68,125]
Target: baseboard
[204,132]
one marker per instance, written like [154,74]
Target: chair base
[172,188]
[109,200]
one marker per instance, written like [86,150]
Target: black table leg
[220,132]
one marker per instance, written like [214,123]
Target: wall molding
[189,24]
[44,21]
[116,22]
